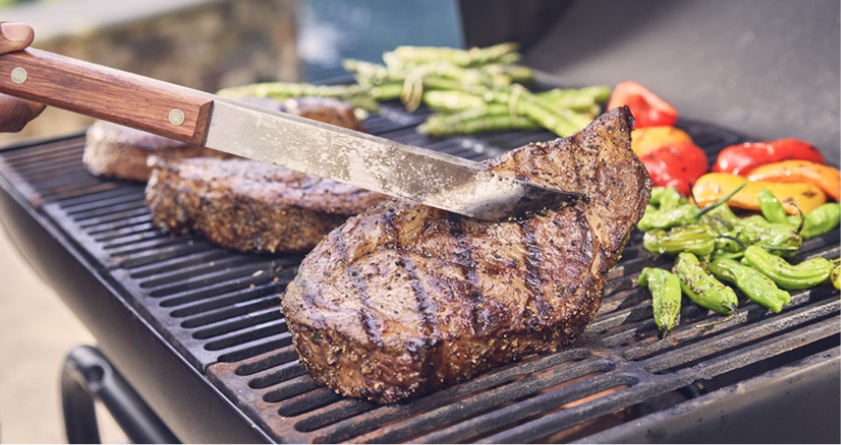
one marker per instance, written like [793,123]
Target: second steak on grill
[405,299]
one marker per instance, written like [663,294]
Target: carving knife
[191,116]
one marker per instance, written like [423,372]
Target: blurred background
[765,68]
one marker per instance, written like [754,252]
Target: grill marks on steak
[405,299]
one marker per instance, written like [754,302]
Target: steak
[404,299]
[119,152]
[250,206]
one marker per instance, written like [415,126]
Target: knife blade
[382,165]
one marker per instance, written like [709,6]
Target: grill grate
[219,309]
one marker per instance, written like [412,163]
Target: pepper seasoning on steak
[404,299]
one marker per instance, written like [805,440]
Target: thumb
[15,36]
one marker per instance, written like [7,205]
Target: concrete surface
[36,332]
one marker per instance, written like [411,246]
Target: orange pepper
[826,177]
[714,186]
[646,139]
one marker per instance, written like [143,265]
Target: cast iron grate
[219,309]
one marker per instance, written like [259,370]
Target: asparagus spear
[470,122]
[356,95]
[501,53]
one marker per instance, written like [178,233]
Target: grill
[197,330]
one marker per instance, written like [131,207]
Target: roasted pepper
[825,177]
[695,238]
[676,165]
[741,158]
[664,198]
[665,297]
[778,238]
[771,207]
[818,221]
[647,108]
[645,139]
[712,186]
[703,288]
[787,276]
[672,216]
[835,276]
[751,282]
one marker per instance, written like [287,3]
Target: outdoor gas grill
[196,332]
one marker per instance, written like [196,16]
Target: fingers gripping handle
[164,109]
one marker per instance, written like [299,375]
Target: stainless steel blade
[373,163]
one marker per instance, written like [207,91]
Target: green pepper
[703,288]
[695,238]
[771,207]
[664,198]
[665,297]
[681,215]
[819,221]
[787,276]
[751,282]
[779,239]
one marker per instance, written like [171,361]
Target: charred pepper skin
[804,275]
[665,297]
[703,288]
[835,276]
[695,238]
[751,282]
[680,215]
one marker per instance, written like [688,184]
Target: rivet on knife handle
[101,92]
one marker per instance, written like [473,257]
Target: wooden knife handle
[128,99]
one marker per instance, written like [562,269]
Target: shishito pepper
[665,297]
[826,177]
[647,108]
[788,276]
[646,139]
[676,165]
[712,186]
[741,158]
[703,288]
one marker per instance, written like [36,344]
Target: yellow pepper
[713,186]
[826,177]
[646,139]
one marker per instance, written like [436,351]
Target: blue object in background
[333,30]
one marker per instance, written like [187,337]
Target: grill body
[197,331]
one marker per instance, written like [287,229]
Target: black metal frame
[88,377]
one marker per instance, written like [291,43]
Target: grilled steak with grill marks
[405,299]
[250,206]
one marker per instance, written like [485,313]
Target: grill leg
[88,376]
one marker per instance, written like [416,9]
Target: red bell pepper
[676,165]
[648,108]
[740,159]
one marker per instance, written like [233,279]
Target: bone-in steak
[404,299]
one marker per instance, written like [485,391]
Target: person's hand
[16,113]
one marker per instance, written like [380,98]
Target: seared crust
[115,151]
[405,299]
[250,206]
